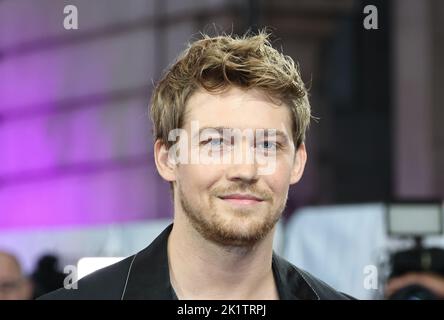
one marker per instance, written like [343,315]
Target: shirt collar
[149,279]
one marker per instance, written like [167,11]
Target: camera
[414,221]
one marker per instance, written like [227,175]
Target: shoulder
[323,290]
[303,285]
[105,284]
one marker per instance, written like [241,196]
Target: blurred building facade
[75,136]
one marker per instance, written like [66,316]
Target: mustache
[255,191]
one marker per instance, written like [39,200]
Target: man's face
[233,203]
[13,286]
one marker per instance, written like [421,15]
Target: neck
[200,269]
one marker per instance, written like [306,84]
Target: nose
[243,167]
[242,173]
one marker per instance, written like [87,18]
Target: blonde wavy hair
[217,63]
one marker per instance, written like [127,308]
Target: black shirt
[145,275]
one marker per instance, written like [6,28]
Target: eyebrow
[267,133]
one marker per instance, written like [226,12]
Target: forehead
[8,266]
[237,108]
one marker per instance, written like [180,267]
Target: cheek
[279,180]
[196,179]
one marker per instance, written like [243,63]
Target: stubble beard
[239,228]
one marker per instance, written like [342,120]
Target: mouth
[241,199]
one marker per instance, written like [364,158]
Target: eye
[267,145]
[216,142]
[213,142]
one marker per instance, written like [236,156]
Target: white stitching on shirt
[127,277]
[302,275]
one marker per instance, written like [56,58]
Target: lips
[241,199]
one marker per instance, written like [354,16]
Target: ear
[165,166]
[299,164]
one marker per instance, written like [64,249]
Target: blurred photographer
[429,286]
[13,284]
[418,272]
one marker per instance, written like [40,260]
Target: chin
[242,230]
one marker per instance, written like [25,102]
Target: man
[13,285]
[418,285]
[229,120]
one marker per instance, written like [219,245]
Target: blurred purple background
[75,136]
